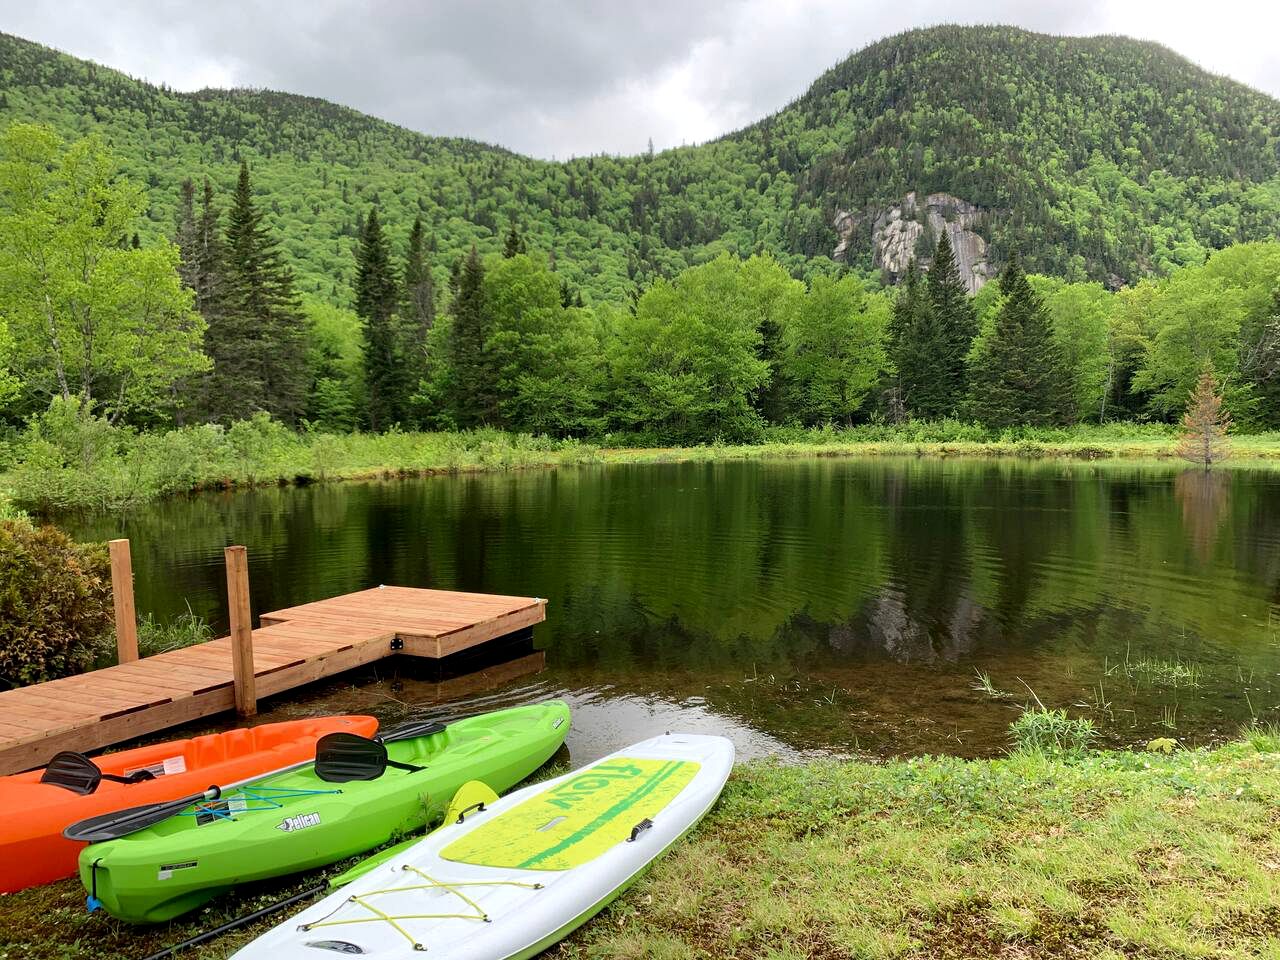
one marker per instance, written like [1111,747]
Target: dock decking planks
[292,647]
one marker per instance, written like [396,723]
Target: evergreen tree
[1018,376]
[209,254]
[419,308]
[262,362]
[472,391]
[956,320]
[376,296]
[417,314]
[919,345]
[514,244]
[184,235]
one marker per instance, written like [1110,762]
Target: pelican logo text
[300,822]
[582,786]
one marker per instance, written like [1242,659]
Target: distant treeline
[211,328]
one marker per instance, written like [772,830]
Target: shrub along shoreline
[69,463]
[1069,853]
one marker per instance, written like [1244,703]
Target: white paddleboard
[516,877]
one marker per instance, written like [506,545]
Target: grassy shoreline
[1100,854]
[115,469]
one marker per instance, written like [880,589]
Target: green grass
[185,630]
[70,465]
[1105,854]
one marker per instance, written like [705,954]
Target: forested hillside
[1101,159]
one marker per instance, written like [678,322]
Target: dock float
[292,647]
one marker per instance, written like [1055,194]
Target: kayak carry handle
[639,828]
[462,814]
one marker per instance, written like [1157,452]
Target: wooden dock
[292,647]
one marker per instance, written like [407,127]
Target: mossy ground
[1109,854]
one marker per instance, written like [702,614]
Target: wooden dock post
[246,695]
[122,599]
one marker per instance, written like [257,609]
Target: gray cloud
[561,77]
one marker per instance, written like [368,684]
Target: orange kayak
[36,810]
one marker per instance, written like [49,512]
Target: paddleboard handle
[639,828]
[462,814]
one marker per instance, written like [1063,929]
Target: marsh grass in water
[1169,673]
[1158,671]
[185,630]
[983,684]
[1053,733]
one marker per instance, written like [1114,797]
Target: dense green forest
[1098,158]
[209,327]
[175,260]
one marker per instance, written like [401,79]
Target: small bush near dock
[55,603]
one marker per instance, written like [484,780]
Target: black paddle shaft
[121,823]
[237,923]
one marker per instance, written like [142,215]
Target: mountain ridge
[1115,158]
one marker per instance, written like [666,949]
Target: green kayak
[296,820]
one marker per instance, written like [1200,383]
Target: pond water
[827,606]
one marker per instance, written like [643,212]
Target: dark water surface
[830,606]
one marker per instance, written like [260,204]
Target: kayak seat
[343,757]
[77,773]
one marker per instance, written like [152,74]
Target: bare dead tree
[1204,426]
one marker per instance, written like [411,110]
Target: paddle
[372,762]
[472,795]
[121,823]
[77,773]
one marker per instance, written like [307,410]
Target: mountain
[1103,158]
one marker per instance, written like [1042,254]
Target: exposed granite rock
[896,232]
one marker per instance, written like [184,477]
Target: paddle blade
[121,823]
[342,757]
[412,730]
[72,771]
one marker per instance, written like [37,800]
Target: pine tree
[1018,376]
[376,300]
[419,307]
[263,366]
[957,322]
[472,395]
[514,244]
[919,349]
[185,233]
[200,267]
[209,253]
[1205,424]
[417,315]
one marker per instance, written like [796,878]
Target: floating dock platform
[292,647]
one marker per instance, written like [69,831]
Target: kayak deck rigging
[431,883]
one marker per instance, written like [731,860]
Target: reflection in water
[1205,497]
[835,605]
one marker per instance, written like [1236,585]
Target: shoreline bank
[150,467]
[1105,853]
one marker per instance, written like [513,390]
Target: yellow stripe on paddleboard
[570,824]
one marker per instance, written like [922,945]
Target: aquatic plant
[1053,733]
[184,630]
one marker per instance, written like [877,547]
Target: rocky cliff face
[912,229]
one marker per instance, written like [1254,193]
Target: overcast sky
[556,78]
